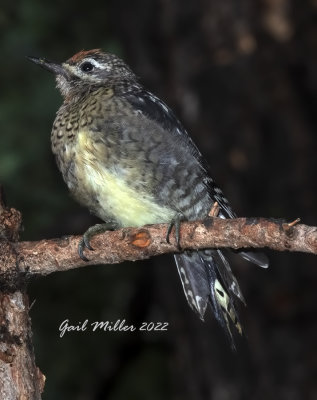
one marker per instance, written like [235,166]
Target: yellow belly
[117,198]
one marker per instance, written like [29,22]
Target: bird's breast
[114,188]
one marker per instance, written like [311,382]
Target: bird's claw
[84,243]
[176,221]
[88,235]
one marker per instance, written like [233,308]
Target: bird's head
[87,69]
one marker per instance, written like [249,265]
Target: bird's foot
[90,233]
[176,221]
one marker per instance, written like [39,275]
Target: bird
[125,155]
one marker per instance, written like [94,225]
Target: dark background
[242,76]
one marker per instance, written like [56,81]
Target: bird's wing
[155,109]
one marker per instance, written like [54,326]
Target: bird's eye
[87,66]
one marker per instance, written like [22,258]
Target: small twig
[214,210]
[295,222]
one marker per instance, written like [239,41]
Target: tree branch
[21,260]
[46,256]
[19,376]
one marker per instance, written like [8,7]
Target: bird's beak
[57,69]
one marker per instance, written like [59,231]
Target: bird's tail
[207,278]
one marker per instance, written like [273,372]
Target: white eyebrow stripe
[97,64]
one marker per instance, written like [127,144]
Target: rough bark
[46,256]
[19,376]
[20,379]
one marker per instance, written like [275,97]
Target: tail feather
[228,277]
[257,258]
[194,281]
[207,278]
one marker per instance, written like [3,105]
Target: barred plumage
[125,156]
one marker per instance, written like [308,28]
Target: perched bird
[125,156]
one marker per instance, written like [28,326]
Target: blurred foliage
[242,76]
